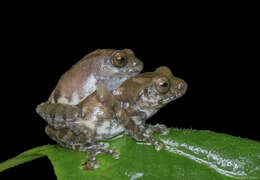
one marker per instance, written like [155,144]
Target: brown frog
[107,66]
[104,114]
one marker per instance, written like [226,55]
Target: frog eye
[119,60]
[162,85]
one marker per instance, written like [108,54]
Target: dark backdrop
[214,61]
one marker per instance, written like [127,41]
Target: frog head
[150,91]
[118,66]
[121,62]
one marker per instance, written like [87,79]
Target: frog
[107,66]
[104,115]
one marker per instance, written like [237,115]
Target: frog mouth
[169,99]
[132,71]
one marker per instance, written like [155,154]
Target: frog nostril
[180,85]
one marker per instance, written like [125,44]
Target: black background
[213,55]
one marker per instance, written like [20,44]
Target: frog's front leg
[68,139]
[139,133]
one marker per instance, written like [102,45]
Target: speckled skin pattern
[104,114]
[107,66]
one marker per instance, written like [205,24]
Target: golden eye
[162,85]
[119,60]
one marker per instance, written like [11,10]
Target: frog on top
[108,66]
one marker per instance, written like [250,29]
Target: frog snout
[137,64]
[180,85]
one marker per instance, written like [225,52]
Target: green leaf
[187,154]
[26,156]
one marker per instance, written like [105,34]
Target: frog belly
[108,129]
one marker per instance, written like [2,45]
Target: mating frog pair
[102,96]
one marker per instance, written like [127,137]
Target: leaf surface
[187,154]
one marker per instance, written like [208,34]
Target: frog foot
[148,136]
[101,148]
[90,165]
[116,153]
[158,128]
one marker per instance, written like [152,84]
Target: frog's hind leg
[67,138]
[58,115]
